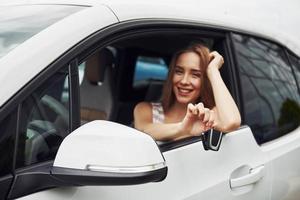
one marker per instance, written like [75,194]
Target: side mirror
[108,153]
[211,140]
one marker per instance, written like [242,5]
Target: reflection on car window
[44,121]
[19,23]
[296,66]
[147,68]
[81,68]
[271,99]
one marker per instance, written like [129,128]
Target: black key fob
[211,140]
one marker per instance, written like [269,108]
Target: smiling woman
[195,99]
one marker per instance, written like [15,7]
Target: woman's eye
[177,71]
[196,75]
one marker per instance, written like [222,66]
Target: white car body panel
[193,173]
[218,17]
[284,153]
[66,33]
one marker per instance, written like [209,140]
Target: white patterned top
[157,113]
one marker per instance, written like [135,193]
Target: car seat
[154,90]
[96,89]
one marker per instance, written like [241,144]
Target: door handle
[254,175]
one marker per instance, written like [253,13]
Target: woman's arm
[227,114]
[143,122]
[196,120]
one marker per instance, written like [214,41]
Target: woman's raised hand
[216,60]
[197,119]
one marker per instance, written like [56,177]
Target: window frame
[146,27]
[34,102]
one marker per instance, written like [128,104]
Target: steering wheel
[57,107]
[45,134]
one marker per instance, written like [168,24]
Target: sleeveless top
[158,116]
[157,113]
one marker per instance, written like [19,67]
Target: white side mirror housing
[108,153]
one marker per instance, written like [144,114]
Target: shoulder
[143,105]
[143,108]
[142,115]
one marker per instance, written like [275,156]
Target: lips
[184,91]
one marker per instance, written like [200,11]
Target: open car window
[115,78]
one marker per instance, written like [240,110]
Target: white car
[72,72]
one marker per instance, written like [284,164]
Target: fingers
[211,120]
[215,56]
[201,110]
[206,115]
[192,110]
[197,110]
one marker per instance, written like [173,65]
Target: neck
[178,109]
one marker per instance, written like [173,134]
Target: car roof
[208,13]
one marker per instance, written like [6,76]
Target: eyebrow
[178,66]
[193,70]
[196,70]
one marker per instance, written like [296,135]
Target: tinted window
[296,66]
[7,131]
[44,121]
[19,23]
[271,99]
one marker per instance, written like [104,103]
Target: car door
[272,108]
[239,170]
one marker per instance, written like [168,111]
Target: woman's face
[187,78]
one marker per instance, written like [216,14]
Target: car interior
[46,111]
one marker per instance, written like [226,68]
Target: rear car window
[296,66]
[149,68]
[19,23]
[269,89]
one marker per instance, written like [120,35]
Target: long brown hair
[206,95]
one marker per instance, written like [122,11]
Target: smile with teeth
[184,91]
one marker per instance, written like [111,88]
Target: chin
[191,98]
[184,100]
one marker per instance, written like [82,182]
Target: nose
[185,79]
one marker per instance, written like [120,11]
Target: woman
[195,99]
